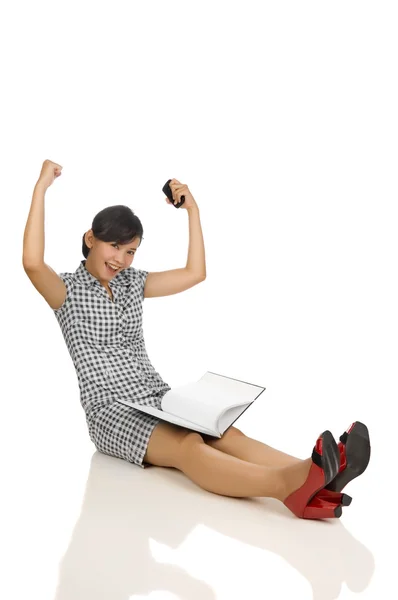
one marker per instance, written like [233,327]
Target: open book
[210,405]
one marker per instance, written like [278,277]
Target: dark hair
[115,224]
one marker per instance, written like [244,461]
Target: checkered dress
[105,341]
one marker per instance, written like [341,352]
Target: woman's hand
[50,170]
[179,189]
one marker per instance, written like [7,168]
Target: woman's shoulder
[133,274]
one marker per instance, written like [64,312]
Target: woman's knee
[231,432]
[169,444]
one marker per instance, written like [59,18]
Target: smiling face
[103,253]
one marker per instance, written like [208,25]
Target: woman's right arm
[33,241]
[45,280]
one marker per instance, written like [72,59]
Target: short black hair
[117,224]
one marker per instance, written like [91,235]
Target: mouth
[111,270]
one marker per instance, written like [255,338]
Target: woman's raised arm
[33,241]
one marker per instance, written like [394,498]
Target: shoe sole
[357,451]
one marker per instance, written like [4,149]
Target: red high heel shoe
[356,457]
[325,466]
[354,449]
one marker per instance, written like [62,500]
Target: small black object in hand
[166,190]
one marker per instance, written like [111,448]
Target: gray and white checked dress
[105,341]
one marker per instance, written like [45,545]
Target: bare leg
[235,443]
[221,473]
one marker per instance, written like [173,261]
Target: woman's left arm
[196,261]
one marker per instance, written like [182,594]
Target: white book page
[203,401]
[230,416]
[165,416]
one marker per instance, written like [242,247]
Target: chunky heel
[324,468]
[320,509]
[354,449]
[330,496]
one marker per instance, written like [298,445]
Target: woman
[99,310]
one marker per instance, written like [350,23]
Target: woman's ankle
[293,477]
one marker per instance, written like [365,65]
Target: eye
[131,251]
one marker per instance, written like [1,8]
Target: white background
[281,117]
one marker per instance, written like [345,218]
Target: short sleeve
[67,278]
[137,278]
[142,275]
